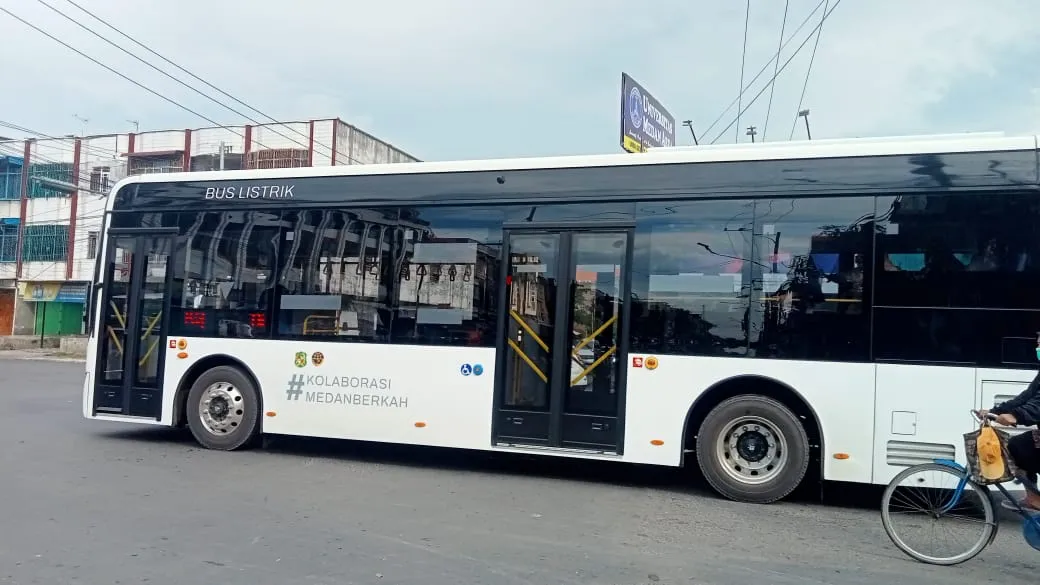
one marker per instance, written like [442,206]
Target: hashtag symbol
[295,388]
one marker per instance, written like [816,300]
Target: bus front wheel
[752,449]
[224,409]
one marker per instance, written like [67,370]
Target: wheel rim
[930,492]
[221,408]
[751,450]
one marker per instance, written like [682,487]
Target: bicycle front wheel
[928,503]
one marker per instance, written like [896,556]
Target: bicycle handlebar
[989,415]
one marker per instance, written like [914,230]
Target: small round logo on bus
[317,358]
[651,363]
[182,344]
[301,359]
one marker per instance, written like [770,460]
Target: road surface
[88,503]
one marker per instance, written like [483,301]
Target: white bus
[770,313]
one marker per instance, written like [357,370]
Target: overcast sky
[448,79]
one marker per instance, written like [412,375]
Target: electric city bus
[768,313]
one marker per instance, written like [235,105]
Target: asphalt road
[94,503]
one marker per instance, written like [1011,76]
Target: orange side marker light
[182,354]
[271,413]
[420,425]
[841,456]
[657,442]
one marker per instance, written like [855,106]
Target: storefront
[57,306]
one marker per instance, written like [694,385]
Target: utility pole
[689,124]
[805,114]
[751,131]
[137,127]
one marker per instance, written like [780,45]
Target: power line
[185,84]
[196,77]
[763,69]
[782,67]
[101,153]
[18,148]
[125,77]
[772,84]
[743,57]
[807,72]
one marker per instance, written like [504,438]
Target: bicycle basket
[1007,469]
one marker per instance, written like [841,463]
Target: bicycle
[988,517]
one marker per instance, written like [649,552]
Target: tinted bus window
[691,278]
[223,270]
[448,276]
[978,250]
[336,273]
[956,276]
[812,258]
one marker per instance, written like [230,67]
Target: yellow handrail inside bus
[593,335]
[112,331]
[148,354]
[527,360]
[115,338]
[151,325]
[523,324]
[594,364]
[119,316]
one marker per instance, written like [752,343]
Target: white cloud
[520,77]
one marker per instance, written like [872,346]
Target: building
[53,190]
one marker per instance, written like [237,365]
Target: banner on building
[644,121]
[58,292]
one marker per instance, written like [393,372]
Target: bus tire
[224,409]
[752,449]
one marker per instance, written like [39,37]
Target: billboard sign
[644,121]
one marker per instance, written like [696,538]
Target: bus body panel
[395,394]
[379,393]
[920,414]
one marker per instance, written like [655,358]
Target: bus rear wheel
[752,449]
[224,409]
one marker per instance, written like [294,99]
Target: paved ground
[96,503]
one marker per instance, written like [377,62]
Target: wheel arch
[180,402]
[756,385]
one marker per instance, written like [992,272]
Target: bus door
[132,330]
[562,339]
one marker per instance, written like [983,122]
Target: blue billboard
[644,121]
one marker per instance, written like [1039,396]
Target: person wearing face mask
[1024,448]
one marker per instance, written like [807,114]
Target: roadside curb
[21,354]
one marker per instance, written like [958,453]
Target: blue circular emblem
[478,369]
[635,107]
[466,369]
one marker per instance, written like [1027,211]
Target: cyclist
[1024,448]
